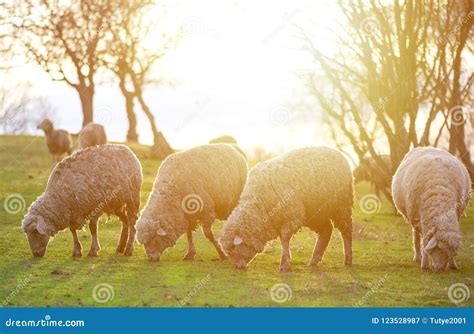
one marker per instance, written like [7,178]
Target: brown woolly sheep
[310,187]
[431,189]
[80,188]
[193,187]
[59,142]
[91,135]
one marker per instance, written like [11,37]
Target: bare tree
[134,63]
[66,40]
[20,111]
[386,78]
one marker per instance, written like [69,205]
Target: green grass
[383,273]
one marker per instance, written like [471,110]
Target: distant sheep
[80,188]
[59,142]
[192,187]
[368,170]
[310,187]
[91,135]
[223,140]
[431,189]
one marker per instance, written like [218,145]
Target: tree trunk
[86,94]
[132,135]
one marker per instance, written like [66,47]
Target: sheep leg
[452,263]
[321,245]
[132,231]
[95,246]
[77,250]
[346,234]
[123,234]
[206,228]
[416,245]
[425,263]
[191,250]
[285,262]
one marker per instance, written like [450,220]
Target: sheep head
[37,234]
[443,243]
[237,243]
[46,125]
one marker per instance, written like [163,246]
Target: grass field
[383,273]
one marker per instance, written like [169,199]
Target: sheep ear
[237,240]
[161,232]
[41,225]
[431,244]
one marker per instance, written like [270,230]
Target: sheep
[80,188]
[90,135]
[223,140]
[368,170]
[431,189]
[59,142]
[193,187]
[311,187]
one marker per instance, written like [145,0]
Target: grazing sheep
[59,142]
[80,188]
[223,140]
[90,135]
[431,189]
[192,187]
[310,187]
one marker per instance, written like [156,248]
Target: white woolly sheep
[91,135]
[192,187]
[80,188]
[59,142]
[310,187]
[431,189]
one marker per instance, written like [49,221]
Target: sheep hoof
[417,258]
[93,253]
[313,263]
[128,251]
[120,249]
[223,257]
[348,262]
[284,267]
[189,257]
[76,253]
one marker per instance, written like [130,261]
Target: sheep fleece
[304,187]
[92,181]
[428,184]
[202,182]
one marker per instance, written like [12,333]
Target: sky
[235,73]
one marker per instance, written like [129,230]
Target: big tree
[65,38]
